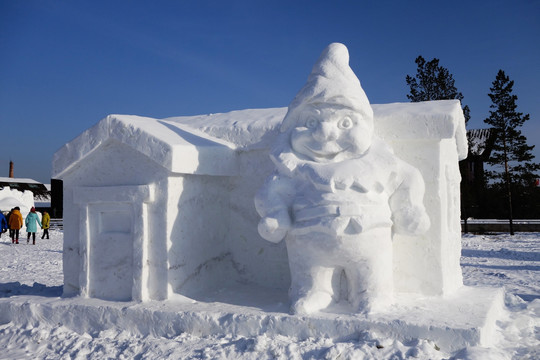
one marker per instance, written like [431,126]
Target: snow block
[431,137]
[206,170]
[125,180]
[467,318]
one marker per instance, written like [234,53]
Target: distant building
[57,199]
[42,193]
[39,190]
[472,170]
[47,197]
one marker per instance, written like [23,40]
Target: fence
[57,224]
[473,225]
[496,225]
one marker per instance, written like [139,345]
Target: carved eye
[345,123]
[312,123]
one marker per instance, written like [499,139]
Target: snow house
[155,208]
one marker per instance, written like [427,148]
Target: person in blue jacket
[30,222]
[3,224]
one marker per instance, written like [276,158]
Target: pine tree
[433,82]
[511,158]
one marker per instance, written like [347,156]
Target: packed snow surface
[33,274]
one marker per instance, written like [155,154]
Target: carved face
[331,133]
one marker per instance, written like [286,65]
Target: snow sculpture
[338,194]
[160,208]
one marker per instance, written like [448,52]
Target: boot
[27,240]
[16,241]
[34,242]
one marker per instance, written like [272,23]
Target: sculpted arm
[408,212]
[273,203]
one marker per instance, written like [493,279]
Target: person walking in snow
[3,223]
[31,228]
[45,224]
[15,224]
[7,219]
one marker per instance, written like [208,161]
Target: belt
[344,210]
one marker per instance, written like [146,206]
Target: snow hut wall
[260,261]
[115,164]
[198,251]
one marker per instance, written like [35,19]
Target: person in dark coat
[7,219]
[3,223]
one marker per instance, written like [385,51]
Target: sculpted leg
[311,282]
[315,293]
[370,284]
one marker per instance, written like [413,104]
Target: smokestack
[11,169]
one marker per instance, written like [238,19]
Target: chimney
[11,169]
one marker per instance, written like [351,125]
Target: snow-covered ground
[33,274]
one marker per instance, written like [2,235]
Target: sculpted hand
[274,229]
[412,220]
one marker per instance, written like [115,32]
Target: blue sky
[64,65]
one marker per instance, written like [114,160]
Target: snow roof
[440,119]
[253,128]
[247,129]
[18,180]
[177,147]
[207,144]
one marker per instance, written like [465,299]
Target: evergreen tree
[513,171]
[433,82]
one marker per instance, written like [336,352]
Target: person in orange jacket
[15,224]
[45,224]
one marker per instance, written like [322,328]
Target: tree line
[509,184]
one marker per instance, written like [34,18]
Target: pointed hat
[331,81]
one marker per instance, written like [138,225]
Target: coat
[3,222]
[46,221]
[15,220]
[30,222]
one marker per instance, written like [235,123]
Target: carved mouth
[329,155]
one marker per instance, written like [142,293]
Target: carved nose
[325,131]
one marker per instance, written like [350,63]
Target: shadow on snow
[16,289]
[504,267]
[502,254]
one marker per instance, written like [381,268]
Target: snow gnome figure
[338,193]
